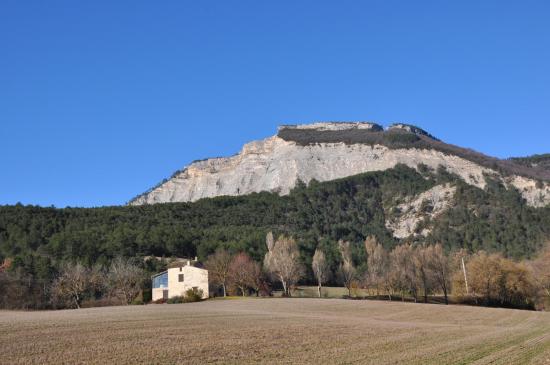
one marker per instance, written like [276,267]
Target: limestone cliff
[332,150]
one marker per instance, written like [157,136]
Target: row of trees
[235,273]
[423,270]
[406,270]
[119,283]
[416,271]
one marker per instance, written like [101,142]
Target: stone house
[178,278]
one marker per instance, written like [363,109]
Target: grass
[335,292]
[277,330]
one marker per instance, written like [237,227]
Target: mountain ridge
[330,150]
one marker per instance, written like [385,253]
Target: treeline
[75,285]
[539,161]
[418,272]
[415,272]
[40,241]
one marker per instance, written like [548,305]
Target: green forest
[38,240]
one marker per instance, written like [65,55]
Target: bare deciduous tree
[124,280]
[321,269]
[347,271]
[497,280]
[377,265]
[421,259]
[257,279]
[282,261]
[403,271]
[217,265]
[243,272]
[438,264]
[541,270]
[72,284]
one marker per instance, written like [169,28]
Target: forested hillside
[495,219]
[537,161]
[37,241]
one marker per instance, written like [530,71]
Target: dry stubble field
[291,331]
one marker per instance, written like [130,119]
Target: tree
[421,259]
[14,286]
[438,264]
[282,261]
[518,289]
[124,280]
[217,265]
[74,281]
[377,265]
[484,276]
[347,271]
[541,270]
[243,273]
[500,281]
[403,271]
[321,268]
[257,280]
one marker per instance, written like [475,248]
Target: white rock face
[274,164]
[535,196]
[438,198]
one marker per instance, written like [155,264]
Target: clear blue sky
[100,100]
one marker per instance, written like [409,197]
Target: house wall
[193,276]
[157,293]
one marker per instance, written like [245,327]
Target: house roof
[160,273]
[182,263]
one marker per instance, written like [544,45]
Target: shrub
[101,302]
[137,301]
[175,300]
[190,295]
[193,295]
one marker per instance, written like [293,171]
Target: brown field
[290,331]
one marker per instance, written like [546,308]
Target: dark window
[180,278]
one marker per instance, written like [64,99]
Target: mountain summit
[331,150]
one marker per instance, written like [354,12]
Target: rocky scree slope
[332,150]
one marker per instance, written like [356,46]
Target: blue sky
[100,100]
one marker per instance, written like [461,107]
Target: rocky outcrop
[411,129]
[406,217]
[275,164]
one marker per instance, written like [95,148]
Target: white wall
[192,277]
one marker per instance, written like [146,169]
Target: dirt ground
[286,331]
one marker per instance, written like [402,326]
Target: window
[180,278]
[161,280]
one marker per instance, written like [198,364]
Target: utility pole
[465,276]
